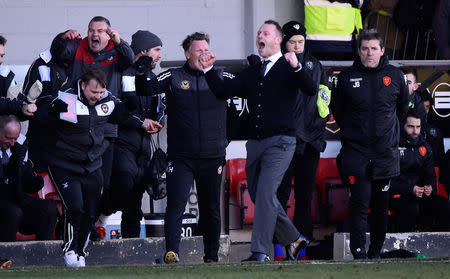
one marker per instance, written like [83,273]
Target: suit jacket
[270,99]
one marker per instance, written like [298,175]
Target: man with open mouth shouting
[103,48]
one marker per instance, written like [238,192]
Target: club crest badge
[423,151]
[309,65]
[386,80]
[296,26]
[185,84]
[351,179]
[219,170]
[104,108]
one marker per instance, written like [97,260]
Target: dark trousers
[32,216]
[365,193]
[126,191]
[356,172]
[80,195]
[408,207]
[207,174]
[126,196]
[267,161]
[303,168]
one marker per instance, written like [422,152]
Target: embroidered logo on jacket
[185,84]
[423,151]
[386,80]
[104,108]
[351,179]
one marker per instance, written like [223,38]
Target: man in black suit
[270,87]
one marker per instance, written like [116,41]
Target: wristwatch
[299,67]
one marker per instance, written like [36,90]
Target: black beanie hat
[292,28]
[143,40]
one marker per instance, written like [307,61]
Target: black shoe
[206,260]
[373,255]
[95,236]
[359,255]
[295,247]
[257,257]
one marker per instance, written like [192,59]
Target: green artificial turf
[426,269]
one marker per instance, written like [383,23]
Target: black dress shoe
[295,247]
[257,257]
[206,260]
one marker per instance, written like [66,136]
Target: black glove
[143,64]
[253,59]
[58,106]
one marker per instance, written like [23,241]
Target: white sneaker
[81,261]
[71,259]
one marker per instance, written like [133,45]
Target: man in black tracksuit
[414,190]
[44,78]
[196,141]
[370,100]
[132,150]
[103,48]
[75,159]
[310,130]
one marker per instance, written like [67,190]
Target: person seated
[433,133]
[21,212]
[413,191]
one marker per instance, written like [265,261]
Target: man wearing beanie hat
[142,42]
[132,147]
[311,115]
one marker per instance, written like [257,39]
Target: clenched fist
[207,59]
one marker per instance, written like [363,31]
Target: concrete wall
[30,25]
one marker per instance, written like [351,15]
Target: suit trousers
[267,161]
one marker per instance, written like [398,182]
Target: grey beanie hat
[143,40]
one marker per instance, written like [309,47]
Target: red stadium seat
[236,180]
[49,192]
[327,169]
[25,237]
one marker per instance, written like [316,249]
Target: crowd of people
[94,102]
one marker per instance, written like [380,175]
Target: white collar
[274,58]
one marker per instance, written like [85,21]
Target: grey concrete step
[429,244]
[109,252]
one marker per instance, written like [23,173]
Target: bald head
[9,131]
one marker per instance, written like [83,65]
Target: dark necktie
[263,68]
[5,158]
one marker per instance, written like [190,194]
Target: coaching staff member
[270,87]
[75,159]
[369,102]
[196,141]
